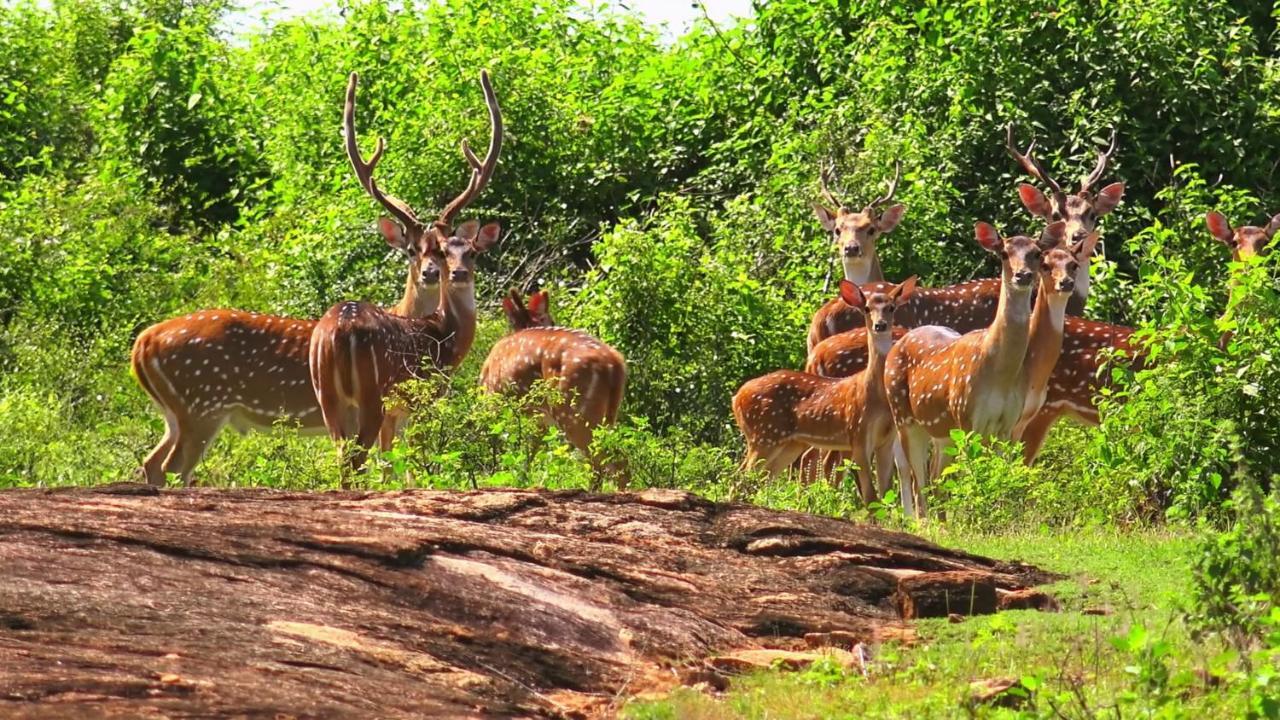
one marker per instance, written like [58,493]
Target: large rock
[127,602]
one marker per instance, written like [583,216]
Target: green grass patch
[1136,659]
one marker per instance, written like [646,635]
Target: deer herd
[891,369]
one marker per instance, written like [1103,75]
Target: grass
[1069,657]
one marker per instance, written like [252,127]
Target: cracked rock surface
[126,601]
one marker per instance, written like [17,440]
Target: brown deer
[590,375]
[360,352]
[214,367]
[972,305]
[855,232]
[937,379]
[786,412]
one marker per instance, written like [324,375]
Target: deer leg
[863,460]
[191,442]
[885,456]
[911,478]
[153,466]
[782,456]
[1034,434]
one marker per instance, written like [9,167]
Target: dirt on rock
[126,601]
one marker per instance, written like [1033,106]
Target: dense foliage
[152,162]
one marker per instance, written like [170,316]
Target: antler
[826,174]
[1103,159]
[893,186]
[364,170]
[480,171]
[1030,163]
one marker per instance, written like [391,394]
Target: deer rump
[590,375]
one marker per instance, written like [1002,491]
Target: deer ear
[825,216]
[538,302]
[487,237]
[1083,250]
[988,237]
[508,307]
[904,291]
[1273,226]
[852,295]
[392,232]
[467,230]
[890,218]
[1053,235]
[1220,228]
[1034,201]
[1108,198]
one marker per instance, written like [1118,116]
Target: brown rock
[939,594]
[253,603]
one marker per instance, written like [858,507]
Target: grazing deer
[855,232]
[360,352]
[937,379]
[590,375]
[972,305]
[786,412]
[214,367]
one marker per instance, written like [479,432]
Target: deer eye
[1033,255]
[888,308]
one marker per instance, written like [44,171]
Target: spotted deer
[211,368]
[972,305]
[360,352]
[591,376]
[855,232]
[786,412]
[938,380]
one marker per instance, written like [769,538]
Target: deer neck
[416,302]
[1005,342]
[457,314]
[1045,341]
[877,351]
[862,270]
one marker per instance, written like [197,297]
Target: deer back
[590,372]
[214,362]
[962,307]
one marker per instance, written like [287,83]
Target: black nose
[1067,284]
[1023,277]
[852,250]
[459,275]
[881,326]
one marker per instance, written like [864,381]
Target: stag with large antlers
[786,412]
[214,367]
[359,352]
[938,380]
[590,376]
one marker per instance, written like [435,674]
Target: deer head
[436,247]
[520,316]
[855,232]
[1080,211]
[1020,256]
[1245,241]
[1060,265]
[878,308]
